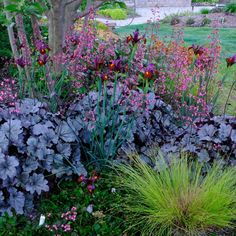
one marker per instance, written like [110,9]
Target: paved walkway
[146,14]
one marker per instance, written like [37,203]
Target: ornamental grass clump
[176,198]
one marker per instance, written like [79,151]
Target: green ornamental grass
[176,199]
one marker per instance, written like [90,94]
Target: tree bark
[61,17]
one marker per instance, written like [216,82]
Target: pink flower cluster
[70,215]
[66,225]
[8,92]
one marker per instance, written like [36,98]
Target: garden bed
[113,136]
[220,20]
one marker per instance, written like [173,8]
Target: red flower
[42,47]
[150,71]
[111,66]
[129,38]
[42,60]
[90,188]
[148,74]
[105,78]
[81,179]
[43,51]
[198,50]
[95,177]
[115,65]
[135,38]
[231,60]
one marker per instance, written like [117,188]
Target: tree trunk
[61,17]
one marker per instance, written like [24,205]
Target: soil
[220,20]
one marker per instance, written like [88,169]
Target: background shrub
[205,11]
[175,20]
[190,21]
[114,14]
[205,21]
[217,10]
[230,7]
[175,199]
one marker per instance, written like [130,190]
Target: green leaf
[83,5]
[12,8]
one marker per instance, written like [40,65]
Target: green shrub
[207,1]
[168,18]
[205,11]
[190,21]
[176,198]
[230,7]
[217,10]
[113,5]
[114,14]
[205,21]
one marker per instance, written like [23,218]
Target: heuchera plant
[34,145]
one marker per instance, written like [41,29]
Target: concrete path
[147,14]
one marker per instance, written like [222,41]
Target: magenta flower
[90,188]
[42,59]
[21,62]
[42,47]
[135,38]
[150,71]
[98,62]
[231,60]
[115,65]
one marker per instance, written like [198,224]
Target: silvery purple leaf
[21,179]
[1,197]
[4,142]
[233,136]
[28,106]
[37,183]
[42,128]
[30,164]
[16,200]
[203,156]
[224,131]
[8,166]
[66,132]
[29,205]
[12,129]
[64,149]
[206,132]
[49,138]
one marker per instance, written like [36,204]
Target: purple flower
[151,67]
[42,47]
[42,59]
[98,62]
[21,62]
[231,60]
[90,188]
[115,65]
[136,38]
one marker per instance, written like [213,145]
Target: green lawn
[199,36]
